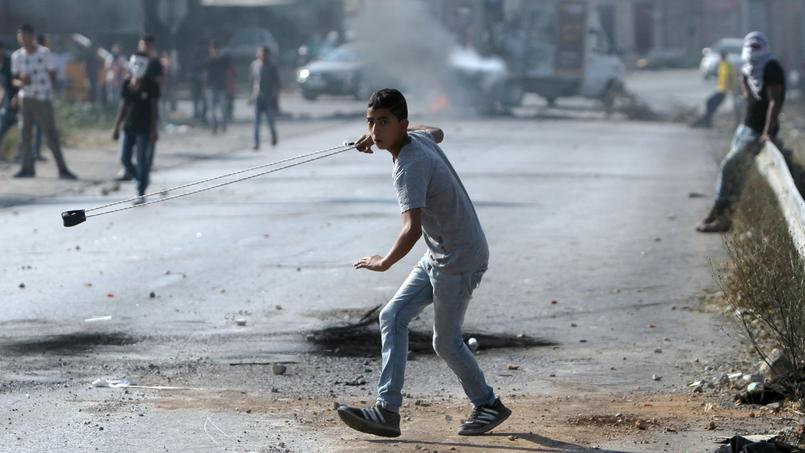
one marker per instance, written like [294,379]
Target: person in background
[115,73]
[137,113]
[34,77]
[215,86]
[156,72]
[726,85]
[42,40]
[8,101]
[231,91]
[265,94]
[197,83]
[168,95]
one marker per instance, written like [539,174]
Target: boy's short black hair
[26,28]
[389,98]
[148,39]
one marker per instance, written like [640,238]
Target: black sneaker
[24,174]
[67,174]
[372,420]
[485,418]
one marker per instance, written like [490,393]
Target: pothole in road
[72,343]
[362,338]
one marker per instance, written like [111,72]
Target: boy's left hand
[372,263]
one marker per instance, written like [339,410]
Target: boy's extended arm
[409,235]
[438,134]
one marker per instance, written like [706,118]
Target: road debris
[473,344]
[761,443]
[278,369]
[99,318]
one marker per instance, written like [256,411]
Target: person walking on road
[726,85]
[34,76]
[215,85]
[265,94]
[434,204]
[138,111]
[8,101]
[763,84]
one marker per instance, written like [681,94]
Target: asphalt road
[590,226]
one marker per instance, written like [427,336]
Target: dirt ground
[661,422]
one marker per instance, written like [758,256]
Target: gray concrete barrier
[772,166]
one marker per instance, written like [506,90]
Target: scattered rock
[358,381]
[780,366]
[278,369]
[512,366]
[22,285]
[152,295]
[639,424]
[658,351]
[711,426]
[240,322]
[655,377]
[472,343]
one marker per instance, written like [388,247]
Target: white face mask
[137,66]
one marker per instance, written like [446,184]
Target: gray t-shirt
[425,179]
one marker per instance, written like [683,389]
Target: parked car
[712,55]
[339,72]
[472,80]
[242,46]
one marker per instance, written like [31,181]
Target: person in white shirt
[34,76]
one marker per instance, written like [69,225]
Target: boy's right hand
[364,144]
[115,135]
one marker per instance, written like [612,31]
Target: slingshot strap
[270,164]
[319,154]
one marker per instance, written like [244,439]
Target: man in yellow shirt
[726,85]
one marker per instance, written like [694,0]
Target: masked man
[139,104]
[763,85]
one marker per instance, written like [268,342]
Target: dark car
[339,72]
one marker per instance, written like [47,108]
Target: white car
[712,55]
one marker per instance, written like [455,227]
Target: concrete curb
[772,166]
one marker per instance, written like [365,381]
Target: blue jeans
[262,107]
[217,104]
[450,295]
[745,147]
[8,118]
[141,144]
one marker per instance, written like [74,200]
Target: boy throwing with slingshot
[434,204]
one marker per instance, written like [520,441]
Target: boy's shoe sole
[504,415]
[365,426]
